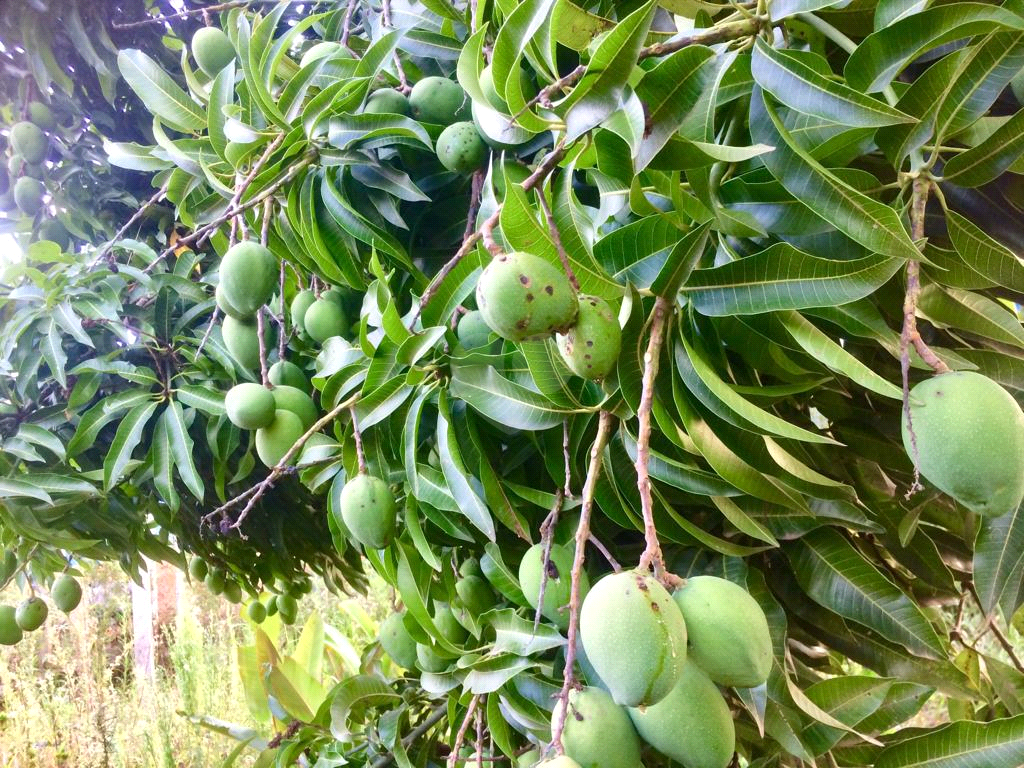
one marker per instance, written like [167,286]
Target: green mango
[634,636]
[522,296]
[396,641]
[429,660]
[557,588]
[969,438]
[473,331]
[387,102]
[10,632]
[475,595]
[54,231]
[303,301]
[368,510]
[322,50]
[257,612]
[242,341]
[692,725]
[29,141]
[325,318]
[438,100]
[285,373]
[727,632]
[31,614]
[590,348]
[66,593]
[41,115]
[250,406]
[215,581]
[212,50]
[448,625]
[28,195]
[298,402]
[273,442]
[598,732]
[460,148]
[248,276]
[197,569]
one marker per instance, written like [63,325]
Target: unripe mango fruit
[10,632]
[557,588]
[692,725]
[66,593]
[298,402]
[249,406]
[54,231]
[227,308]
[215,581]
[198,569]
[324,318]
[368,509]
[472,330]
[460,148]
[303,301]
[590,348]
[558,761]
[397,642]
[448,625]
[242,341]
[598,732]
[438,100]
[248,275]
[634,636]
[322,50]
[41,115]
[522,296]
[274,441]
[257,612]
[727,632]
[387,102]
[475,595]
[29,141]
[28,195]
[969,434]
[212,49]
[31,614]
[284,373]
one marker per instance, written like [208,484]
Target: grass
[69,695]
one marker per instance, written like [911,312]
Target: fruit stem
[652,556]
[453,756]
[910,334]
[557,238]
[360,455]
[264,374]
[582,536]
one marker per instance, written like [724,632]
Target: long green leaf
[961,745]
[502,400]
[161,95]
[999,562]
[835,575]
[989,159]
[182,448]
[875,226]
[126,439]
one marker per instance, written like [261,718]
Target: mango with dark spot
[634,636]
[598,732]
[557,588]
[969,438]
[522,296]
[590,348]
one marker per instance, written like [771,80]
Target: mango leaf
[502,400]
[783,277]
[791,80]
[837,576]
[126,439]
[875,226]
[999,562]
[161,95]
[988,160]
[960,745]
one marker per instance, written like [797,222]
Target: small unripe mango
[298,402]
[303,301]
[248,275]
[590,348]
[10,632]
[397,642]
[460,148]
[368,510]
[324,318]
[475,595]
[28,195]
[727,632]
[634,636]
[257,612]
[31,614]
[66,593]
[692,725]
[29,141]
[522,296]
[242,341]
[448,625]
[598,732]
[438,100]
[198,569]
[387,102]
[557,588]
[284,373]
[212,49]
[472,330]
[969,434]
[249,406]
[274,441]
[429,660]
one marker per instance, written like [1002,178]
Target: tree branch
[453,756]
[711,36]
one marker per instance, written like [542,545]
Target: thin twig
[360,455]
[294,171]
[453,756]
[129,224]
[194,12]
[261,340]
[553,229]
[255,170]
[346,26]
[991,625]
[652,552]
[910,334]
[604,551]
[567,489]
[547,537]
[253,494]
[711,36]
[436,715]
[544,95]
[283,340]
[582,536]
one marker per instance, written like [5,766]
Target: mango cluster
[282,601]
[30,614]
[654,661]
[523,297]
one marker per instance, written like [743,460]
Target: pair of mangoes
[319,318]
[248,276]
[522,297]
[279,415]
